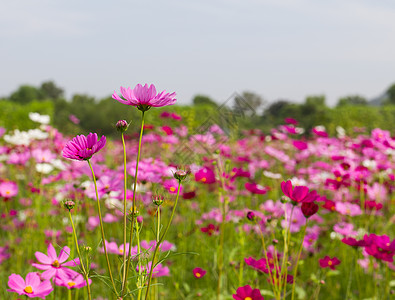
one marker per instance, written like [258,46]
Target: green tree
[25,94]
[203,100]
[352,100]
[248,103]
[391,94]
[50,91]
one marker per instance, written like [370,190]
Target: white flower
[37,134]
[18,138]
[44,168]
[36,117]
[320,128]
[57,163]
[341,132]
[272,175]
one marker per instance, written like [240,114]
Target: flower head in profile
[83,147]
[32,287]
[145,97]
[247,293]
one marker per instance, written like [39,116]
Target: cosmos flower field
[260,216]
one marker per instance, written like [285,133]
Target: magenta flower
[380,247]
[55,265]
[255,188]
[309,209]
[298,194]
[32,287]
[144,97]
[82,148]
[328,262]
[198,272]
[246,292]
[205,175]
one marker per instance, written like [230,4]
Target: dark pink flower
[328,262]
[291,121]
[247,293]
[309,209]
[55,265]
[210,229]
[255,188]
[198,272]
[83,147]
[380,247]
[144,97]
[298,194]
[31,287]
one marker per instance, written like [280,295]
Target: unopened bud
[180,175]
[251,216]
[122,125]
[87,248]
[69,204]
[158,200]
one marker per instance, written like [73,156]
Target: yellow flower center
[330,263]
[28,289]
[121,251]
[56,264]
[338,179]
[70,284]
[8,192]
[204,179]
[247,298]
[198,275]
[172,189]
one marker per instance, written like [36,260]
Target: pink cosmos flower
[328,262]
[198,272]
[55,265]
[158,271]
[205,175]
[71,282]
[83,148]
[32,287]
[8,189]
[246,292]
[144,97]
[349,209]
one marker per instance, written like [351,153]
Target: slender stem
[297,260]
[161,240]
[140,280]
[124,214]
[80,257]
[287,237]
[102,229]
[272,279]
[134,204]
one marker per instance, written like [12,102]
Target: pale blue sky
[280,49]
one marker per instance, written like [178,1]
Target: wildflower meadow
[211,212]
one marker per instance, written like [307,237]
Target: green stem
[124,214]
[80,257]
[102,229]
[287,237]
[161,240]
[297,261]
[134,204]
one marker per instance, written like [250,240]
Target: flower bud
[122,125]
[157,200]
[69,204]
[180,175]
[87,249]
[251,216]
